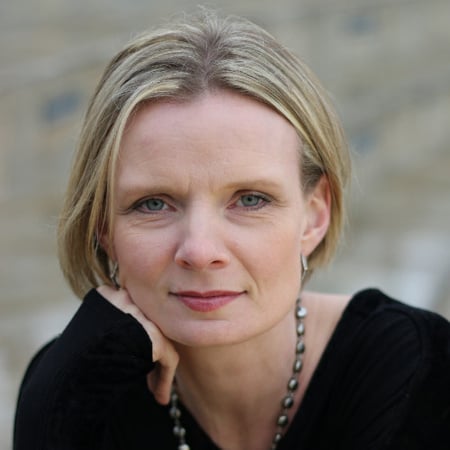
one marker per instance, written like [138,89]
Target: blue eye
[153,204]
[250,201]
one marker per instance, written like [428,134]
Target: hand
[160,379]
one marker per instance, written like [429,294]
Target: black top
[383,382]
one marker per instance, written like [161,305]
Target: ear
[318,210]
[104,240]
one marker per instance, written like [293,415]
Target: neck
[236,390]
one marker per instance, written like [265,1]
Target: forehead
[217,130]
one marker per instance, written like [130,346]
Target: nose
[201,245]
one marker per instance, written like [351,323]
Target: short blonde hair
[178,62]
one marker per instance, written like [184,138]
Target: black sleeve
[401,399]
[426,423]
[385,381]
[72,383]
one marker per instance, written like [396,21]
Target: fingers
[160,379]
[164,354]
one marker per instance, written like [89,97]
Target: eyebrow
[253,183]
[136,189]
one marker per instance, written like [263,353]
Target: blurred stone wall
[386,64]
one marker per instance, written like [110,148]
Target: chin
[208,333]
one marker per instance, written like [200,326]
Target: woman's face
[210,219]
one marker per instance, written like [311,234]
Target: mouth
[206,301]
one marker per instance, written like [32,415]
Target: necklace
[286,403]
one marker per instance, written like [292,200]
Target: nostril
[201,257]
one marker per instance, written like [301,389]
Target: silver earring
[113,275]
[305,268]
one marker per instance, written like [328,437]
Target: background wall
[386,64]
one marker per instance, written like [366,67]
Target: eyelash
[142,205]
[262,200]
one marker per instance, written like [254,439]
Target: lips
[206,301]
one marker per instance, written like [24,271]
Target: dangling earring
[304,261]
[113,275]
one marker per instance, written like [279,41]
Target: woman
[207,187]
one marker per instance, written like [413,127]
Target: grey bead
[300,329]
[283,420]
[292,384]
[174,412]
[287,402]
[297,365]
[179,431]
[301,312]
[300,347]
[276,439]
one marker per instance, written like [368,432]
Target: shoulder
[372,337]
[383,377]
[379,327]
[374,314]
[394,338]
[398,357]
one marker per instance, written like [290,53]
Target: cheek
[140,255]
[277,256]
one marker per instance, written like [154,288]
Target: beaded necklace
[286,403]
